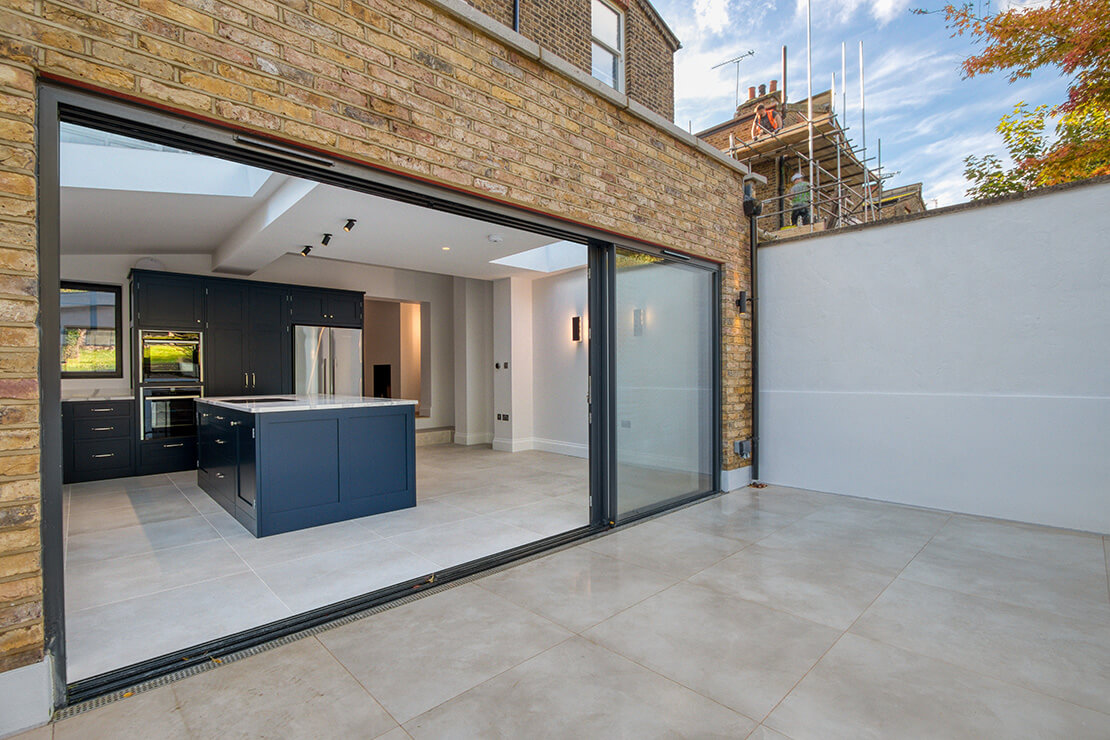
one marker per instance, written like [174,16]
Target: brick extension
[402,84]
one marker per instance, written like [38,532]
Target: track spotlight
[350,225]
[325,240]
[306,250]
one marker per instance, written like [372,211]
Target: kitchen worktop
[257,405]
[96,397]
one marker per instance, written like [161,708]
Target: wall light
[306,250]
[576,329]
[324,242]
[637,322]
[349,225]
[446,249]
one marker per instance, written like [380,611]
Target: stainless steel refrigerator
[327,361]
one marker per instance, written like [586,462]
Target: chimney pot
[751,93]
[762,90]
[774,85]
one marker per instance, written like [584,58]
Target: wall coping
[471,16]
[970,205]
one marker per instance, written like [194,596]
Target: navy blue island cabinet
[282,463]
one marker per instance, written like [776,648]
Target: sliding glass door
[665,368]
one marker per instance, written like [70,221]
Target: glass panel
[88,318]
[606,25]
[664,381]
[604,66]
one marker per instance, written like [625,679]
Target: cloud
[711,15]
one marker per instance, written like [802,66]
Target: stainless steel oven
[169,411]
[171,357]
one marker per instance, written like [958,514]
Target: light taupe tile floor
[156,555]
[768,614]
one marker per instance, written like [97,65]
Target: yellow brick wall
[396,83]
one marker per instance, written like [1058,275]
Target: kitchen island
[280,463]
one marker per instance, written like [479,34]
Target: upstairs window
[91,331]
[608,44]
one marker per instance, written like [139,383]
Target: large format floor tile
[827,592]
[731,516]
[1061,657]
[462,541]
[467,636]
[657,545]
[864,689]
[260,552]
[1042,544]
[739,653]
[576,588]
[141,510]
[151,714]
[579,689]
[105,544]
[867,549]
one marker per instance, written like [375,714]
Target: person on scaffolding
[799,200]
[765,121]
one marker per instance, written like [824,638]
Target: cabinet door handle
[221,441]
[102,429]
[220,475]
[102,411]
[106,454]
[254,382]
[236,423]
[179,444]
[245,383]
[219,418]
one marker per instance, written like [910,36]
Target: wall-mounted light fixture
[742,301]
[306,250]
[324,242]
[349,225]
[576,329]
[637,322]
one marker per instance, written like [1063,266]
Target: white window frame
[617,53]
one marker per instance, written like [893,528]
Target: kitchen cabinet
[225,463]
[327,308]
[245,340]
[167,301]
[97,440]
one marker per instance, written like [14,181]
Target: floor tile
[151,714]
[493,498]
[731,516]
[173,505]
[198,498]
[786,501]
[102,582]
[85,504]
[462,541]
[549,517]
[261,552]
[425,514]
[739,653]
[166,621]
[1026,541]
[44,732]
[105,544]
[865,689]
[823,591]
[294,691]
[331,576]
[133,483]
[467,636]
[224,523]
[875,550]
[864,514]
[1061,657]
[579,689]
[763,732]
[576,588]
[1077,590]
[659,546]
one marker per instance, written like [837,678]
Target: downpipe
[752,209]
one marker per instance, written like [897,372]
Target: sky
[928,117]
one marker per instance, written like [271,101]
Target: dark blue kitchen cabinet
[98,440]
[225,304]
[327,308]
[225,373]
[167,301]
[247,326]
[278,471]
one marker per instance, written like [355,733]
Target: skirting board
[572,449]
[26,699]
[732,480]
[473,439]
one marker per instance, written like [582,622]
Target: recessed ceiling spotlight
[306,250]
[350,225]
[495,238]
[446,249]
[325,240]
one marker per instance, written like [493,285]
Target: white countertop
[95,397]
[303,403]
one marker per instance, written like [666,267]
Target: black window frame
[98,288]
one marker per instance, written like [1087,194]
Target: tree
[1072,36]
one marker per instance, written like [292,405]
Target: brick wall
[396,83]
[563,27]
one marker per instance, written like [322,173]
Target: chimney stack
[751,93]
[774,85]
[762,90]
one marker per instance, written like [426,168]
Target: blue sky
[928,117]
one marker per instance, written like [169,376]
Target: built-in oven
[169,411]
[171,357]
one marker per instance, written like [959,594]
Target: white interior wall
[474,376]
[560,366]
[435,291]
[960,361]
[381,345]
[410,350]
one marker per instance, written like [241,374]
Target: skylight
[548,258]
[105,161]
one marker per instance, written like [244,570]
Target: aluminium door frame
[62,100]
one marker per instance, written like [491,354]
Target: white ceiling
[244,234]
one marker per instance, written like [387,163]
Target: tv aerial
[736,60]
